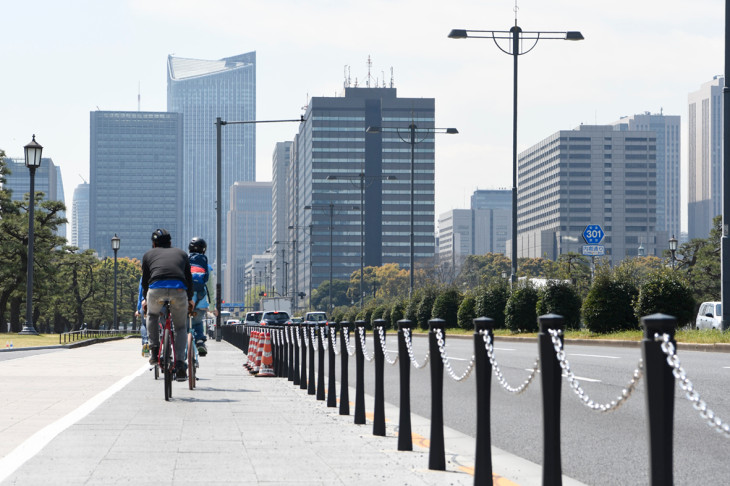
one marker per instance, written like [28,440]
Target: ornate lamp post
[673,248]
[516,35]
[33,153]
[115,247]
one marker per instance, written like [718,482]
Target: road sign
[594,250]
[593,234]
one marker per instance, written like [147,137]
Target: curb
[77,344]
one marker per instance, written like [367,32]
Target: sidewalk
[95,415]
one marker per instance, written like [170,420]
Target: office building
[594,174]
[668,150]
[249,218]
[281,244]
[135,180]
[456,238]
[335,164]
[492,220]
[80,217]
[203,90]
[705,134]
[47,180]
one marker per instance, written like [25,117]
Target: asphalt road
[596,448]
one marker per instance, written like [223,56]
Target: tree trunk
[15,315]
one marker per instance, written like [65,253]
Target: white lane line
[504,349]
[594,356]
[581,378]
[33,444]
[726,367]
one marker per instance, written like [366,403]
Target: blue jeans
[143,332]
[198,328]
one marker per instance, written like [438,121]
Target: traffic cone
[252,349]
[267,359]
[259,354]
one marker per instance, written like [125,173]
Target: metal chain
[361,333]
[350,350]
[323,339]
[299,339]
[498,372]
[447,363]
[334,341]
[575,385]
[409,346]
[693,396]
[385,351]
[314,339]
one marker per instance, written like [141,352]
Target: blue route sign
[593,234]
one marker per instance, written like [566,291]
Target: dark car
[253,318]
[274,318]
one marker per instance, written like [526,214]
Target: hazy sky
[61,60]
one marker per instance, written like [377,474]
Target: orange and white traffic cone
[259,353]
[252,348]
[267,359]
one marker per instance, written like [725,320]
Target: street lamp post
[115,247]
[516,35]
[33,153]
[673,248]
[412,130]
[219,123]
[361,178]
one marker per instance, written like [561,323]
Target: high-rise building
[47,180]
[492,220]
[335,164]
[456,238]
[136,180]
[249,219]
[80,217]
[668,150]
[282,245]
[594,174]
[203,90]
[705,127]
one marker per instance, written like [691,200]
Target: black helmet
[161,237]
[197,245]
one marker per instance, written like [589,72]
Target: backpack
[199,269]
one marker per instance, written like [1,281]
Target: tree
[425,306]
[667,292]
[520,312]
[482,269]
[467,311]
[609,303]
[560,298]
[491,302]
[699,259]
[446,306]
[320,296]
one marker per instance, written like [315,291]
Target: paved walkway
[95,415]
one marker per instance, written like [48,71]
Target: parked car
[253,318]
[274,318]
[709,316]
[232,322]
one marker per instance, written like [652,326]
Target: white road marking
[33,444]
[504,349]
[594,356]
[581,378]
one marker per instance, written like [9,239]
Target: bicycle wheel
[191,361]
[167,364]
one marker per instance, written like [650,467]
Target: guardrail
[73,336]
[659,366]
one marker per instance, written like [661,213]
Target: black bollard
[331,383]
[379,353]
[289,353]
[659,397]
[436,453]
[344,327]
[320,332]
[483,456]
[302,330]
[550,375]
[311,386]
[359,375]
[295,362]
[405,439]
[276,351]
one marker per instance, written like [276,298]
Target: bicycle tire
[191,361]
[167,365]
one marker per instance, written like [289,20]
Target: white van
[709,316]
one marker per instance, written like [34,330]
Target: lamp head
[115,242]
[673,243]
[373,130]
[33,153]
[573,35]
[452,131]
[458,34]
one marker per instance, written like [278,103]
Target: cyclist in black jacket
[166,276]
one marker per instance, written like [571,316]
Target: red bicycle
[166,352]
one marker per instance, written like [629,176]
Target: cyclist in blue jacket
[201,273]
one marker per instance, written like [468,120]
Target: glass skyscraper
[80,217]
[135,167]
[202,90]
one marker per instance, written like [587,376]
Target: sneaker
[154,350]
[180,371]
[202,350]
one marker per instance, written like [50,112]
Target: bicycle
[192,353]
[166,352]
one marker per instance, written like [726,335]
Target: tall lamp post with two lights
[516,35]
[115,246]
[412,140]
[33,153]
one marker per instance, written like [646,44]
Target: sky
[62,60]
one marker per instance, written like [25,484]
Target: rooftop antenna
[370,65]
[82,178]
[347,76]
[516,9]
[392,79]
[139,96]
[383,78]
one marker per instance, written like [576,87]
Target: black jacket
[166,264]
